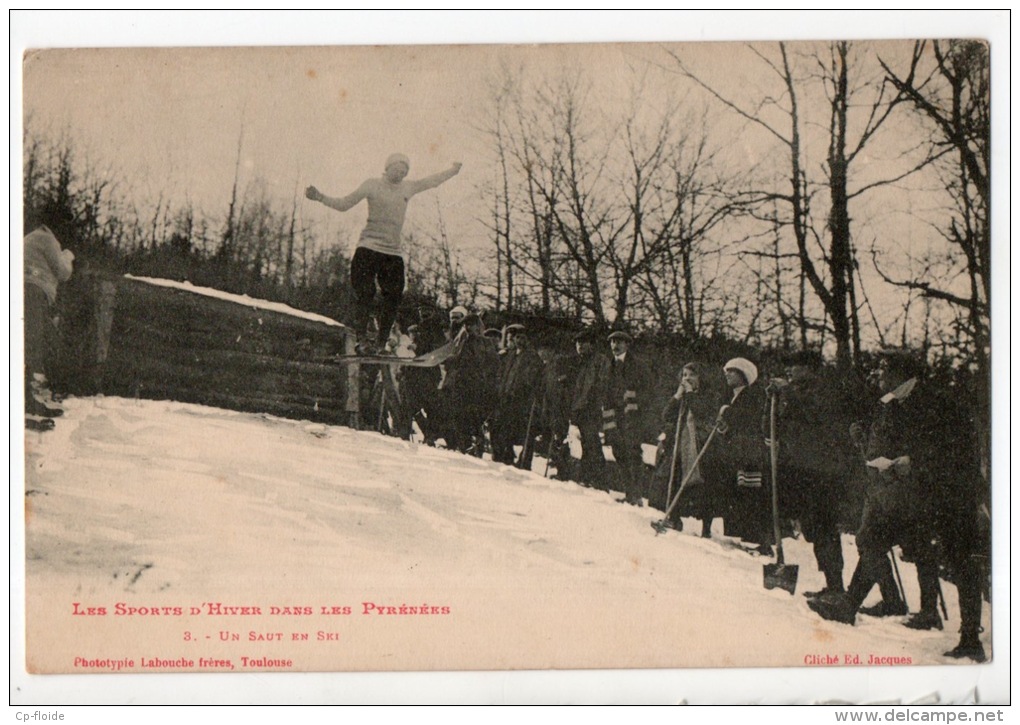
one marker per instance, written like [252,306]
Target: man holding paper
[920,490]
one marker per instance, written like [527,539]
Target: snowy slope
[162,505]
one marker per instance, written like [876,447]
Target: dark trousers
[828,549]
[593,460]
[40,335]
[969,574]
[368,268]
[507,428]
[630,468]
[821,528]
[873,568]
[39,332]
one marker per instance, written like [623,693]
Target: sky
[169,121]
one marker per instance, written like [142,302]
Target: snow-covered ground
[135,507]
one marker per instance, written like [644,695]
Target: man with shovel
[813,460]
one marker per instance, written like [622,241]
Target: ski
[428,360]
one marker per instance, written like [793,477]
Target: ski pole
[896,571]
[661,525]
[676,449]
[527,436]
[382,403]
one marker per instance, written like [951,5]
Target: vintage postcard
[560,357]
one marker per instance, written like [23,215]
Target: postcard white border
[191,28]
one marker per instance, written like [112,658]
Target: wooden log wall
[167,343]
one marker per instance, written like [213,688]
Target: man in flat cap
[514,421]
[624,415]
[378,258]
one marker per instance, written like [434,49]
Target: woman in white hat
[744,455]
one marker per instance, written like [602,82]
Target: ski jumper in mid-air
[378,257]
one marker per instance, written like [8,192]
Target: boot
[38,425]
[828,591]
[34,407]
[969,646]
[886,609]
[706,528]
[924,620]
[835,608]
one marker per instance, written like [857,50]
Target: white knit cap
[397,159]
[744,366]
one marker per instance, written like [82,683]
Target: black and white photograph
[649,359]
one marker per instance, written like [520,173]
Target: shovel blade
[781,576]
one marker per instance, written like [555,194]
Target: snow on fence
[161,339]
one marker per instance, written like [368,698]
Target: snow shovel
[662,524]
[779,575]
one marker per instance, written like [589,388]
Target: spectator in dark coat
[624,416]
[696,403]
[922,473]
[420,384]
[557,383]
[744,456]
[468,392]
[519,393]
[589,387]
[814,459]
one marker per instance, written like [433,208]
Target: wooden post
[104,304]
[353,385]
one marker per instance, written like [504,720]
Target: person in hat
[744,457]
[591,375]
[495,337]
[457,316]
[694,406]
[814,457]
[378,257]
[467,393]
[514,421]
[624,416]
[47,265]
[923,483]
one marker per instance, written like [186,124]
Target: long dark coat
[742,450]
[815,456]
[626,407]
[520,385]
[705,495]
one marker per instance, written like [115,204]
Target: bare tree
[857,109]
[947,83]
